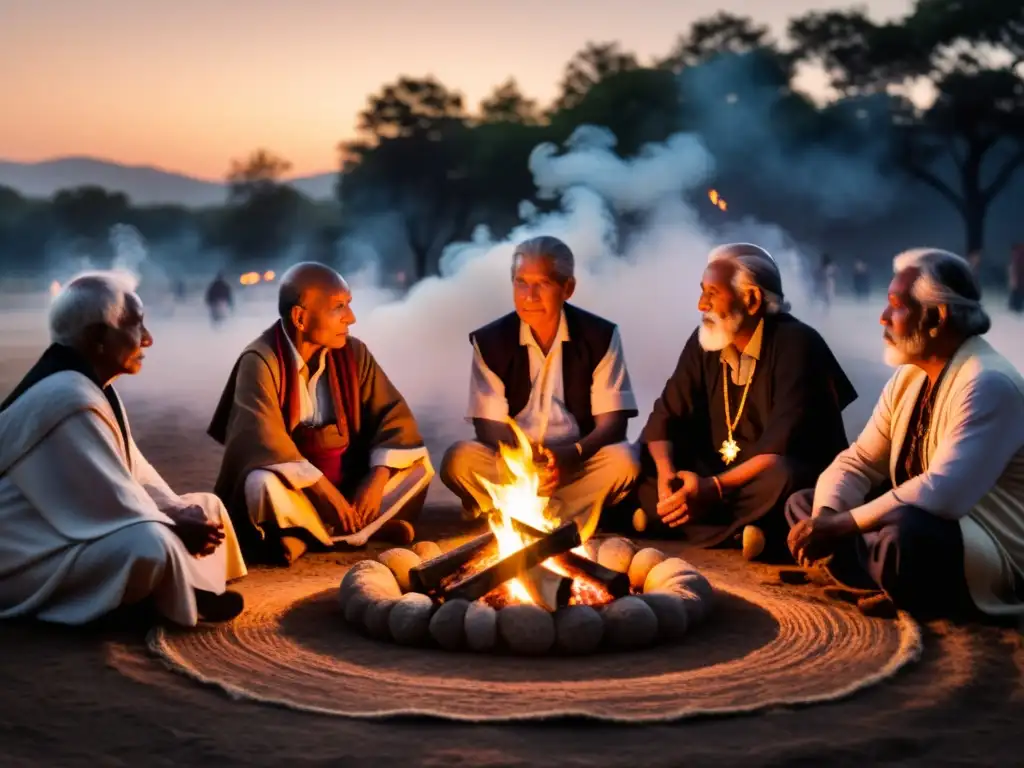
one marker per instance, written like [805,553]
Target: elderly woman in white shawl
[927,506]
[86,523]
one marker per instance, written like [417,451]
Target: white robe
[83,516]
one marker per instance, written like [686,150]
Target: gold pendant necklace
[730,450]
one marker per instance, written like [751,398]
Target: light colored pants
[608,474]
[143,560]
[269,499]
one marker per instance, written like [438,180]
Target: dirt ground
[92,696]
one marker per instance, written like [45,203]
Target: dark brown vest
[589,339]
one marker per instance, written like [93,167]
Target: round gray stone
[352,578]
[409,620]
[427,550]
[697,606]
[526,629]
[481,627]
[629,623]
[364,585]
[578,629]
[375,619]
[616,553]
[641,564]
[447,625]
[591,547]
[665,570]
[672,613]
[400,561]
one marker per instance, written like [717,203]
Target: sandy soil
[92,696]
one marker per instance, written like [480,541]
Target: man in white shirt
[559,372]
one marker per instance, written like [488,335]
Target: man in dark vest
[559,373]
[752,413]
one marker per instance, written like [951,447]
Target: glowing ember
[717,200]
[518,500]
[249,278]
[268,276]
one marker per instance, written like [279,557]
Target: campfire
[529,555]
[531,582]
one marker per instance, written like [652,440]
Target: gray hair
[755,268]
[548,247]
[946,279]
[94,298]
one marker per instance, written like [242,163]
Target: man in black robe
[752,412]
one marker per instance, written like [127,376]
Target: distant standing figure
[219,299]
[825,281]
[1016,278]
[861,280]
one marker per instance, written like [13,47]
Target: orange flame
[519,500]
[249,278]
[268,276]
[54,288]
[717,200]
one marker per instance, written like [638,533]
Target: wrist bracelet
[579,449]
[718,485]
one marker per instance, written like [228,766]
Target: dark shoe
[877,606]
[217,608]
[398,532]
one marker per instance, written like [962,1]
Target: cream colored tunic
[974,466]
[84,524]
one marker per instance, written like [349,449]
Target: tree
[411,108]
[411,162]
[973,122]
[722,33]
[590,66]
[639,106]
[261,218]
[507,104]
[84,215]
[260,172]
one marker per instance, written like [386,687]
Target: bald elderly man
[320,448]
[752,413]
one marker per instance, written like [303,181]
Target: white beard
[716,333]
[901,351]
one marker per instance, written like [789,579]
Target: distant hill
[143,184]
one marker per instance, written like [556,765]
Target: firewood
[475,586]
[577,566]
[428,577]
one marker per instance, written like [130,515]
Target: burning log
[473,587]
[428,577]
[615,583]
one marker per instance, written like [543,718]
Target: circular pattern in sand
[672,596]
[763,647]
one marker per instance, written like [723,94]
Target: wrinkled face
[722,310]
[539,292]
[325,314]
[905,339]
[119,349]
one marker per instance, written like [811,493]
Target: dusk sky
[188,84]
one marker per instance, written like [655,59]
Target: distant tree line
[431,169]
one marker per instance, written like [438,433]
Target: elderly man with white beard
[751,414]
[926,508]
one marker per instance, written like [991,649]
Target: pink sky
[188,84]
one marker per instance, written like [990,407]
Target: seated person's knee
[459,459]
[623,461]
